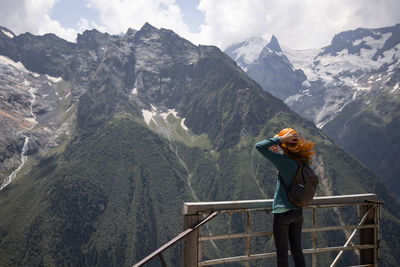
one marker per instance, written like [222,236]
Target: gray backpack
[302,190]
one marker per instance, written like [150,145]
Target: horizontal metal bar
[332,249]
[336,228]
[269,209]
[196,207]
[237,210]
[273,254]
[365,265]
[232,236]
[270,233]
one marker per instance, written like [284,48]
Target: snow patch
[357,42]
[18,65]
[9,34]
[293,99]
[183,124]
[354,96]
[69,93]
[170,111]
[395,88]
[303,59]
[363,88]
[69,108]
[53,79]
[251,50]
[134,91]
[306,83]
[150,115]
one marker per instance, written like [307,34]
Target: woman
[285,150]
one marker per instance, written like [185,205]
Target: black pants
[287,227]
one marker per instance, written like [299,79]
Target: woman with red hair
[286,151]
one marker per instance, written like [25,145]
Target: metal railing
[197,214]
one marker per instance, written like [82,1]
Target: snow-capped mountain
[246,52]
[356,63]
[351,89]
[270,67]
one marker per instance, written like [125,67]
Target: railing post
[367,236]
[189,246]
[314,237]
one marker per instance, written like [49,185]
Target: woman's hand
[274,148]
[291,138]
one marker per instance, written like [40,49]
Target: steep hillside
[371,135]
[156,121]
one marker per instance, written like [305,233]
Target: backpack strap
[294,180]
[290,197]
[282,182]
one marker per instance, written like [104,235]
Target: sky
[298,24]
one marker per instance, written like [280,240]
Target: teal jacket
[287,168]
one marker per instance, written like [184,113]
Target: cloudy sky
[298,24]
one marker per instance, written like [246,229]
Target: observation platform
[196,216]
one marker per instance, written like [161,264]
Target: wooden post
[367,236]
[189,246]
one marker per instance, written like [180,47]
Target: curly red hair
[300,151]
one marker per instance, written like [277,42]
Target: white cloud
[119,15]
[296,23]
[32,16]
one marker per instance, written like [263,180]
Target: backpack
[303,187]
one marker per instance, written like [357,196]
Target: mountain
[247,51]
[269,67]
[116,132]
[350,92]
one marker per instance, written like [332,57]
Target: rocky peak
[346,40]
[130,34]
[147,29]
[93,39]
[363,38]
[274,44]
[272,49]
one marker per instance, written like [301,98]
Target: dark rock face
[273,71]
[7,46]
[274,45]
[45,54]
